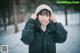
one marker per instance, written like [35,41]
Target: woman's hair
[42,12]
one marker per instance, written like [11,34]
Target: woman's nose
[44,16]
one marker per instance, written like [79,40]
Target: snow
[15,45]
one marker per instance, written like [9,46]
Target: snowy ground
[13,40]
[72,44]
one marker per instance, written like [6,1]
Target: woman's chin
[44,23]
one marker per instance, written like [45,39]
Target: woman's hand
[33,16]
[53,18]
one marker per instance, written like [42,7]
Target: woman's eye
[47,15]
[42,14]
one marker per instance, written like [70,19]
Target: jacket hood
[41,7]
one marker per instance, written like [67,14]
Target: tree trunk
[65,11]
[15,18]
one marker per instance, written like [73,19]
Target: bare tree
[65,11]
[15,18]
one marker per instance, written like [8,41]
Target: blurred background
[15,13]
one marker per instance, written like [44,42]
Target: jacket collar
[50,27]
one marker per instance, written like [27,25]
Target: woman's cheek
[46,19]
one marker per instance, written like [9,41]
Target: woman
[42,32]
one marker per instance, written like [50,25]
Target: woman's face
[43,19]
[44,16]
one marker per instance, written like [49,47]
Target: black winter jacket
[43,42]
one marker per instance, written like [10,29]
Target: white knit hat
[41,7]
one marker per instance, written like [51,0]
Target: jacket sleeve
[28,32]
[60,33]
